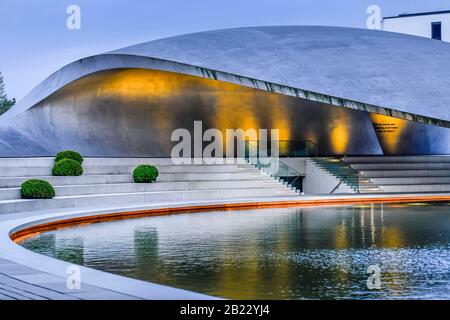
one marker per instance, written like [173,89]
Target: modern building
[433,25]
[348,91]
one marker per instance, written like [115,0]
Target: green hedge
[69,154]
[37,189]
[145,173]
[67,167]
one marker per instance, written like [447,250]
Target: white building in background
[434,25]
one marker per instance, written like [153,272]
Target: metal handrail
[339,184]
[353,173]
[289,170]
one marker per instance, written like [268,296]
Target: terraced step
[114,188]
[422,188]
[105,200]
[405,173]
[108,181]
[396,159]
[402,166]
[410,180]
[49,161]
[346,174]
[10,182]
[370,190]
[121,169]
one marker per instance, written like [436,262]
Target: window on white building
[436,30]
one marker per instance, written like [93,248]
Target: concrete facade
[419,24]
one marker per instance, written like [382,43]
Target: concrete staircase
[108,181]
[404,174]
[347,175]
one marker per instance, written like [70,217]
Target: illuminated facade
[128,102]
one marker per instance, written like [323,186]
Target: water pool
[285,253]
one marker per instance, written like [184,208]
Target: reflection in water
[288,253]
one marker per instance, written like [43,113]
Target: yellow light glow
[389,131]
[340,237]
[339,138]
[362,206]
[392,238]
[418,204]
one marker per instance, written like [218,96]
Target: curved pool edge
[137,289]
[124,287]
[86,217]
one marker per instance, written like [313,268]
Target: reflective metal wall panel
[402,137]
[133,112]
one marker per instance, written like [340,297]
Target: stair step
[109,181]
[99,170]
[397,159]
[417,188]
[8,182]
[411,180]
[405,173]
[408,174]
[9,206]
[401,166]
[346,174]
[88,161]
[396,174]
[70,190]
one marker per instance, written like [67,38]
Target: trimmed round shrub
[37,189]
[67,167]
[145,173]
[69,154]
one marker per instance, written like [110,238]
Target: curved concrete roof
[382,72]
[398,71]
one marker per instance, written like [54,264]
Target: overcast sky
[35,41]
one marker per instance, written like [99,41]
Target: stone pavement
[18,282]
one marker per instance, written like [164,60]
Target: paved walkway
[18,282]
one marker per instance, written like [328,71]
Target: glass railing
[292,148]
[260,157]
[344,173]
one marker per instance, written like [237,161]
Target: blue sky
[35,41]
